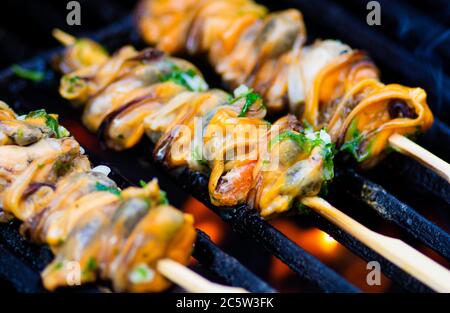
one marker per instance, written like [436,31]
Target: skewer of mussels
[274,168]
[327,84]
[132,237]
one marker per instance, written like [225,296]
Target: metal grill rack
[395,192]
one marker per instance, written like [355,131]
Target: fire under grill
[399,197]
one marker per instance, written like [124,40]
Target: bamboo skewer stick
[191,281]
[396,251]
[63,37]
[410,148]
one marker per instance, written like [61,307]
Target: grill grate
[324,18]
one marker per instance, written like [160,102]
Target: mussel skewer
[131,237]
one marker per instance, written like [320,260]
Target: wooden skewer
[408,147]
[191,281]
[63,37]
[404,256]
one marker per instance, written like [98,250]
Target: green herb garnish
[141,274]
[353,145]
[20,134]
[186,78]
[58,266]
[91,264]
[37,114]
[250,98]
[50,122]
[33,75]
[90,268]
[53,124]
[307,140]
[328,152]
[299,138]
[62,168]
[163,198]
[100,187]
[74,81]
[142,183]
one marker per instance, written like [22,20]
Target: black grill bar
[35,256]
[407,174]
[393,210]
[215,260]
[19,275]
[416,177]
[397,275]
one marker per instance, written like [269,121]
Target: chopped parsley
[50,122]
[32,75]
[186,78]
[74,82]
[163,197]
[20,134]
[91,264]
[90,268]
[141,274]
[58,266]
[62,168]
[100,187]
[307,140]
[328,165]
[243,92]
[353,146]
